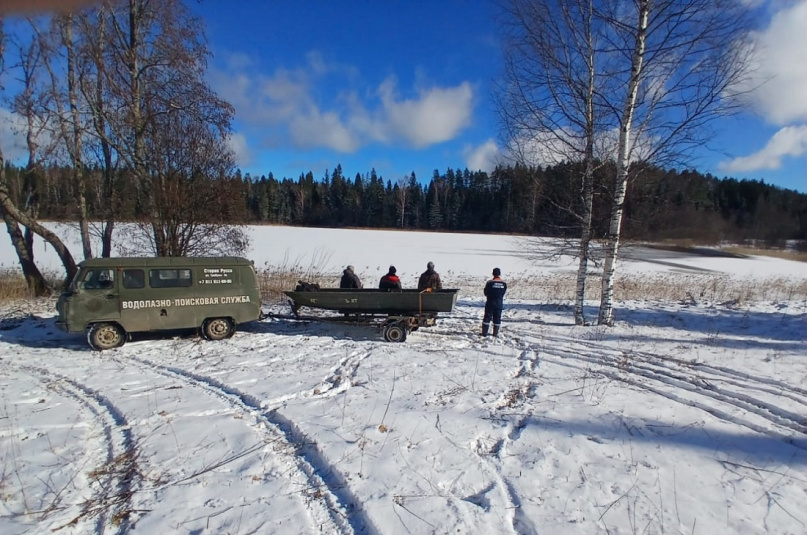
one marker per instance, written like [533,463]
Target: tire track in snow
[337,510]
[758,382]
[647,368]
[117,477]
[707,386]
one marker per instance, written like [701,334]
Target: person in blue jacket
[494,292]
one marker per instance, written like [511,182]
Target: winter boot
[485,327]
[496,330]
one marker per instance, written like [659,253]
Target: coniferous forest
[662,204]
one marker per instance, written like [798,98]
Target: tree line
[113,101]
[597,99]
[661,203]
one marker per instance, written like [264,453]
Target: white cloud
[789,141]
[781,98]
[12,139]
[317,129]
[781,66]
[437,115]
[483,157]
[285,105]
[238,144]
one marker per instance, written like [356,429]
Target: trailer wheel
[103,336]
[394,332]
[217,328]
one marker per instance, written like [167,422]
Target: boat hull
[372,301]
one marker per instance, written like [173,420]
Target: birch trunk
[98,109]
[606,313]
[78,172]
[585,242]
[587,187]
[70,129]
[10,211]
[34,279]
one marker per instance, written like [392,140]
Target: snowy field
[688,416]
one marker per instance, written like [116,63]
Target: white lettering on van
[185,302]
[235,299]
[195,301]
[146,303]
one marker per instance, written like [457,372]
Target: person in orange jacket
[390,281]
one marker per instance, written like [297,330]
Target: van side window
[170,278]
[98,279]
[133,278]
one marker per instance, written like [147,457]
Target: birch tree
[402,198]
[154,80]
[61,59]
[28,105]
[676,66]
[92,27]
[547,101]
[33,277]
[619,81]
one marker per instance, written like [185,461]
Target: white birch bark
[587,188]
[606,313]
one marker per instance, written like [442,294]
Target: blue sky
[398,86]
[406,86]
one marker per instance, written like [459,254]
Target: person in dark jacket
[430,279]
[390,281]
[494,292]
[349,279]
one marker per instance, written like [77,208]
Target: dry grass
[555,288]
[560,288]
[715,288]
[274,279]
[13,287]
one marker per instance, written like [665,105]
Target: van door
[176,286]
[98,295]
[135,318]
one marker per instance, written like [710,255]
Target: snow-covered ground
[685,417]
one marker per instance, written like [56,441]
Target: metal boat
[373,301]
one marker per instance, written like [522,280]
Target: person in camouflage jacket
[349,279]
[430,279]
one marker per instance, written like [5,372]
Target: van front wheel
[217,328]
[103,336]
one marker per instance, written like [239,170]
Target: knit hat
[350,268]
[497,272]
[392,269]
[430,265]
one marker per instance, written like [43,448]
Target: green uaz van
[112,297]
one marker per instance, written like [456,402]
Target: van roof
[172,261]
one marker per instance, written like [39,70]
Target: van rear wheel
[103,336]
[217,328]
